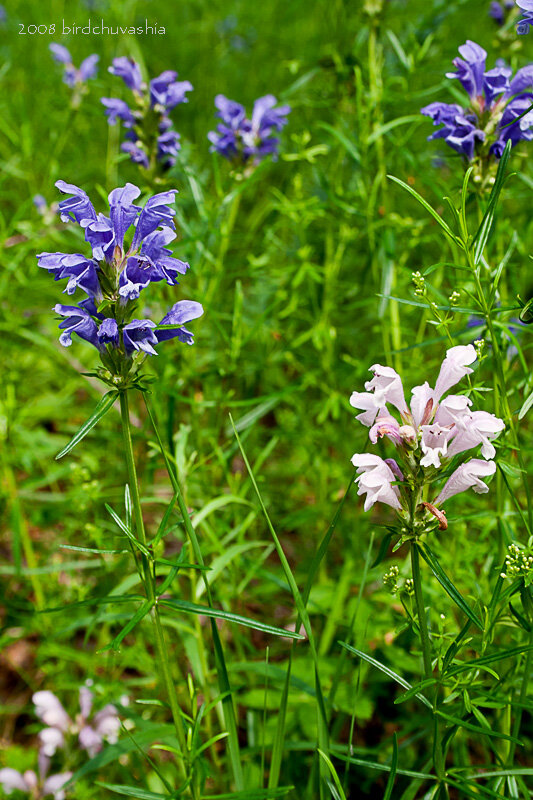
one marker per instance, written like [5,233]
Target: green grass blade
[323,735]
[393,768]
[100,411]
[437,217]
[220,662]
[194,608]
[483,233]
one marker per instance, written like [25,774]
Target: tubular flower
[494,114]
[524,25]
[150,136]
[128,253]
[431,432]
[240,139]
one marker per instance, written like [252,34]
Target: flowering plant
[150,136]
[74,77]
[114,276]
[240,139]
[431,432]
[496,113]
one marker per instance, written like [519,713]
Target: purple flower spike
[129,71]
[138,335]
[71,76]
[496,99]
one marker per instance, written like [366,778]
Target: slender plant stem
[224,685]
[421,611]
[149,585]
[526,678]
[438,756]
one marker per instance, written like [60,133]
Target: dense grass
[305,273]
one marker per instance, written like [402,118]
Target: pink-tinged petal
[375,480]
[453,410]
[385,425]
[50,740]
[107,723]
[369,404]
[465,477]
[86,701]
[31,779]
[54,785]
[12,779]
[478,428]
[90,740]
[387,387]
[50,711]
[422,404]
[395,469]
[434,444]
[454,367]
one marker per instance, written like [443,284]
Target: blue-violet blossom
[240,139]
[526,23]
[74,77]
[495,113]
[150,136]
[129,251]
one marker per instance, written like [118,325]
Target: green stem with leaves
[150,589]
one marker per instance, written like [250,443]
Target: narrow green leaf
[100,411]
[220,662]
[414,690]
[333,771]
[322,722]
[194,608]
[444,225]
[124,528]
[133,791]
[384,546]
[141,613]
[360,762]
[469,726]
[251,794]
[347,143]
[483,233]
[393,768]
[386,671]
[431,559]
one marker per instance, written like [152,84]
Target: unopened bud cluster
[518,563]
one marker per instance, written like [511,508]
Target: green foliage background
[296,277]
